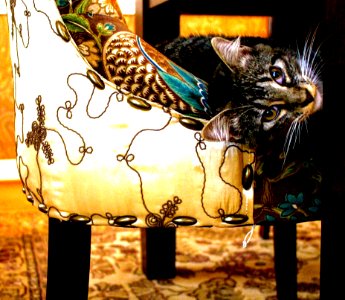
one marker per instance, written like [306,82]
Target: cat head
[267,88]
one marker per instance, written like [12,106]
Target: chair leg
[69,246]
[158,250]
[264,231]
[285,260]
[332,251]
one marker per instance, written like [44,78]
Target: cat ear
[231,52]
[222,127]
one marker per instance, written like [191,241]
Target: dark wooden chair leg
[264,231]
[158,250]
[69,246]
[285,260]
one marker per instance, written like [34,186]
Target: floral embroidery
[90,23]
[90,51]
[107,5]
[291,204]
[316,206]
[38,134]
[168,211]
[296,208]
[170,207]
[105,29]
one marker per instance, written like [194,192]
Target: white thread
[248,237]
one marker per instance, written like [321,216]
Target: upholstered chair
[108,132]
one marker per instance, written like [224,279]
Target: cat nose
[309,97]
[311,90]
[313,100]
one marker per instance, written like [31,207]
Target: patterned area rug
[211,263]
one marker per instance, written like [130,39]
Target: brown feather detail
[153,98]
[131,70]
[136,88]
[120,70]
[125,86]
[117,80]
[161,82]
[138,78]
[132,61]
[128,80]
[165,99]
[119,53]
[156,88]
[135,50]
[141,60]
[127,67]
[149,78]
[120,60]
[172,96]
[146,91]
[141,69]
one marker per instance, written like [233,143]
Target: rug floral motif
[211,263]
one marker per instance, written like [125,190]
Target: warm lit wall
[130,20]
[10,187]
[225,25]
[7,145]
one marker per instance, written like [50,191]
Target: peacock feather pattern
[137,67]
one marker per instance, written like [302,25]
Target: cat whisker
[310,65]
[238,107]
[244,112]
[293,134]
[305,122]
[289,137]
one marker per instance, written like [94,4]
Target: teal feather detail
[191,89]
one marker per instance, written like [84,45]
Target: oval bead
[64,214]
[80,218]
[30,199]
[62,31]
[139,104]
[191,123]
[125,220]
[95,79]
[247,177]
[184,221]
[234,219]
[43,208]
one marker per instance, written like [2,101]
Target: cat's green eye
[277,75]
[270,114]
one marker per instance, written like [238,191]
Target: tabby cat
[257,90]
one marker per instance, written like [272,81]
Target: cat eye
[270,114]
[277,75]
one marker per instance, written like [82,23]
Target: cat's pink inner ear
[210,132]
[231,52]
[217,129]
